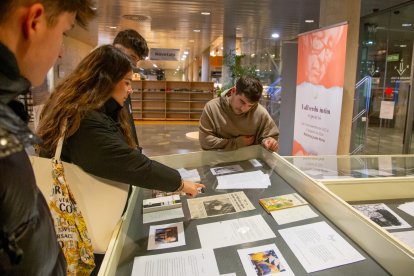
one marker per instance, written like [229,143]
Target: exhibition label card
[226,169]
[382,215]
[293,214]
[163,215]
[317,246]
[255,163]
[246,180]
[233,232]
[406,237]
[407,207]
[198,262]
[264,260]
[166,236]
[190,175]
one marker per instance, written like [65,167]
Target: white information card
[317,246]
[196,262]
[235,231]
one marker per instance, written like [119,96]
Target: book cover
[275,203]
[161,203]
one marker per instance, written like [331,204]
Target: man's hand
[270,144]
[191,188]
[248,140]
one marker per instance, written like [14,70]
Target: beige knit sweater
[221,128]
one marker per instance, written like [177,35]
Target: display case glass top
[382,254]
[354,166]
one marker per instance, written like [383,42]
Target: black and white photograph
[226,169]
[382,215]
[219,207]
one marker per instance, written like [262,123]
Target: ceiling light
[275,35]
[112,27]
[403,45]
[205,13]
[309,21]
[155,65]
[406,24]
[197,30]
[185,52]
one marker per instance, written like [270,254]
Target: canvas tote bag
[101,201]
[72,233]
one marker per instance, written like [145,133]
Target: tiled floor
[164,138]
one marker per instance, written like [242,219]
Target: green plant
[236,67]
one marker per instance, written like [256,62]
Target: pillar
[205,65]
[333,12]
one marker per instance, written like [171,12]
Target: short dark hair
[53,8]
[251,88]
[133,40]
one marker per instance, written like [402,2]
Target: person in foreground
[236,119]
[135,46]
[90,102]
[31,33]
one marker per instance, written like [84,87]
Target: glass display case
[383,254]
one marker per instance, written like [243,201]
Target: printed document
[218,205]
[246,180]
[235,231]
[198,262]
[317,246]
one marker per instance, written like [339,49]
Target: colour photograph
[166,235]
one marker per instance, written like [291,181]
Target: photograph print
[218,207]
[382,215]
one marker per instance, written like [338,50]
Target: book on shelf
[275,203]
[161,203]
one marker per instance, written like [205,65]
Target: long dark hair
[87,88]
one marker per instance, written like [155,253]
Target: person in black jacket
[90,102]
[30,39]
[134,45]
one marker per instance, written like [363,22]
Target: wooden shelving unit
[170,100]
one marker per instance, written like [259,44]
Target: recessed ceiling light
[205,13]
[197,30]
[309,21]
[406,24]
[275,35]
[185,52]
[112,27]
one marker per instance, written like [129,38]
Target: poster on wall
[319,89]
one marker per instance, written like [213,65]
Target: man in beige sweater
[236,119]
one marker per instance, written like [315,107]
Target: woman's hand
[191,188]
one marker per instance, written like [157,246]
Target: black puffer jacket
[28,244]
[100,148]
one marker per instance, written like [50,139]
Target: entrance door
[386,55]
